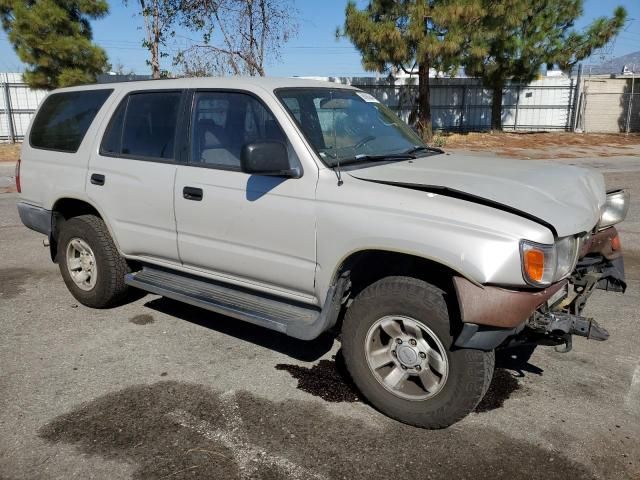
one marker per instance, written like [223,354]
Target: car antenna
[338,171]
[337,168]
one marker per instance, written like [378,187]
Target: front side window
[144,126]
[224,122]
[345,125]
[64,118]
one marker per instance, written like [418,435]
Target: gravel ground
[157,389]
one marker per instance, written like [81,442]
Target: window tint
[64,118]
[112,140]
[224,122]
[144,125]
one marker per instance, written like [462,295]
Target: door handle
[192,193]
[97,179]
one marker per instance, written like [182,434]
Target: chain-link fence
[592,104]
[465,105]
[18,103]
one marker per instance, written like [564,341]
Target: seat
[210,149]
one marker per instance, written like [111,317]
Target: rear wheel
[90,264]
[397,346]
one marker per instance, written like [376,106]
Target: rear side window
[144,126]
[64,118]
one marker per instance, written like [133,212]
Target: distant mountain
[616,65]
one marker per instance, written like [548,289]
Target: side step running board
[299,321]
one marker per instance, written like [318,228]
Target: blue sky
[314,51]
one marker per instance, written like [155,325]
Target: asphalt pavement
[156,389]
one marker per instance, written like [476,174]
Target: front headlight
[614,209]
[566,257]
[544,264]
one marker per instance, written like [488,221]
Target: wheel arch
[367,266]
[67,207]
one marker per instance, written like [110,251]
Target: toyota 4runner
[302,207]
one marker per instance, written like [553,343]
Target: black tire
[110,289]
[470,371]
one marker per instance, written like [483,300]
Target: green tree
[410,34]
[515,38]
[54,39]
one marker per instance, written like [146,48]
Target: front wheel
[397,346]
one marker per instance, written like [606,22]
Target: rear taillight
[18,187]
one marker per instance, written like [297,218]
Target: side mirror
[267,158]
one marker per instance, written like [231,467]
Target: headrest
[207,130]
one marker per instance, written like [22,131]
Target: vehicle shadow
[517,359]
[511,364]
[307,351]
[328,379]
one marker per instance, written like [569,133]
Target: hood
[565,198]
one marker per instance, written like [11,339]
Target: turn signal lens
[538,263]
[534,264]
[615,243]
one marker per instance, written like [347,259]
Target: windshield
[346,126]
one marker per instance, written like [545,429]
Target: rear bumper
[35,218]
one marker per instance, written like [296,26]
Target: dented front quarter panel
[479,242]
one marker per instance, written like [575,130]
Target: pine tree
[406,34]
[54,39]
[516,38]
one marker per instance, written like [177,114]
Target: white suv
[302,206]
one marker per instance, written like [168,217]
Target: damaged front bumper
[495,316]
[601,266]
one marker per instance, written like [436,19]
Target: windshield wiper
[422,148]
[374,158]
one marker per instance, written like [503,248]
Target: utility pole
[7,110]
[576,99]
[630,104]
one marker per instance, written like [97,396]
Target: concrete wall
[607,103]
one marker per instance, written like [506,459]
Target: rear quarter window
[144,126]
[64,118]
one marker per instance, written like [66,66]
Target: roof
[243,83]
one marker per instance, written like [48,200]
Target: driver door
[254,230]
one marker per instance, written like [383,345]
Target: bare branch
[239,37]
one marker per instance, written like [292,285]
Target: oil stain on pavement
[328,379]
[13,280]
[143,319]
[180,430]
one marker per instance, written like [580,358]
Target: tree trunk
[424,101]
[155,49]
[155,63]
[496,107]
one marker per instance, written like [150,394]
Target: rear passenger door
[251,229]
[132,176]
